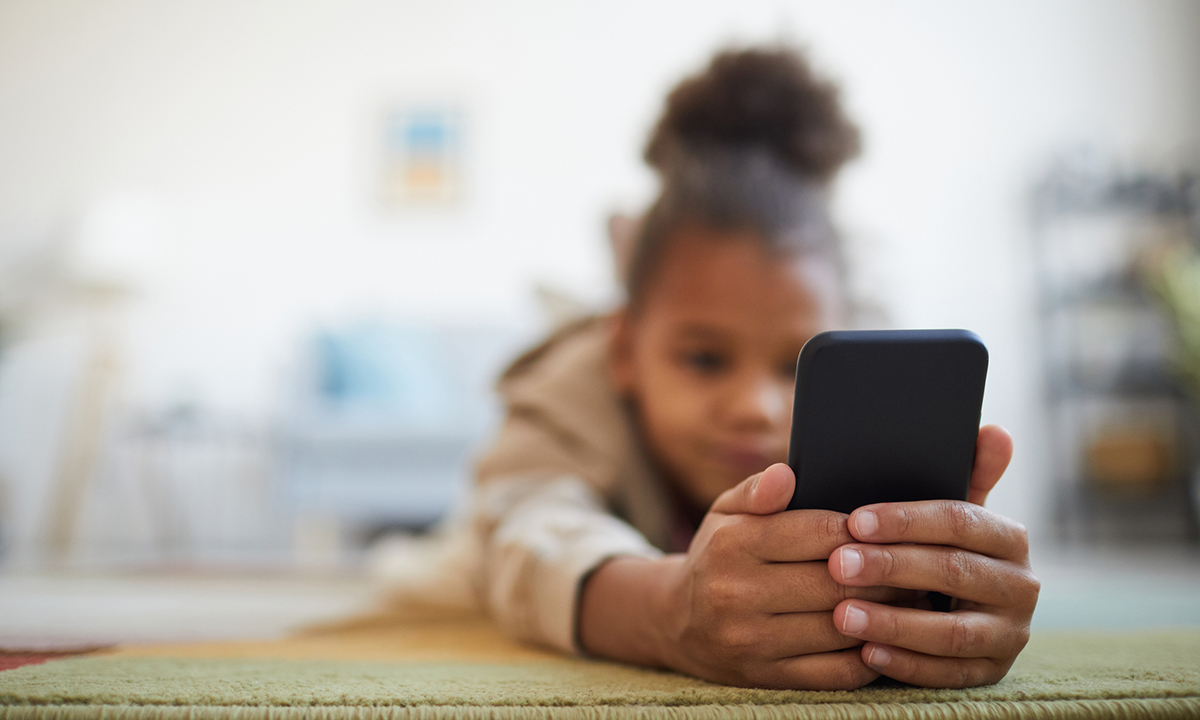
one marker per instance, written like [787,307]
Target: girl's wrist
[626,608]
[666,604]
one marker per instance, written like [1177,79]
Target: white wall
[245,132]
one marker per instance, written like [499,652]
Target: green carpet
[1060,675]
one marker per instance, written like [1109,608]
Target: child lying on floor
[632,506]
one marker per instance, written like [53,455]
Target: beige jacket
[565,486]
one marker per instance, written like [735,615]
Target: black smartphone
[885,416]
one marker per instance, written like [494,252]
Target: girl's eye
[705,361]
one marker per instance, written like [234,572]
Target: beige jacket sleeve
[563,488]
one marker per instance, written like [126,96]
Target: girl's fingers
[797,535]
[942,522]
[789,537]
[960,634]
[792,634]
[844,670]
[931,671]
[953,571]
[993,451]
[808,587]
[763,494]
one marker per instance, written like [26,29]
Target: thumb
[993,451]
[763,494]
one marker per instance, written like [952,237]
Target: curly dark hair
[759,98]
[751,143]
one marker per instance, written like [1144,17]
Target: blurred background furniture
[1121,420]
[382,423]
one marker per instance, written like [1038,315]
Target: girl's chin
[723,478]
[705,490]
[718,476]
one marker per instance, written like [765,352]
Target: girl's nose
[759,402]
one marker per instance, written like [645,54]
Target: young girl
[632,506]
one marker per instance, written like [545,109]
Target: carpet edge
[1133,708]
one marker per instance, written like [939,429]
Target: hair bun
[763,99]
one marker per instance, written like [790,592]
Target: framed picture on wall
[423,159]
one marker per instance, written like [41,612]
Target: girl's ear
[620,352]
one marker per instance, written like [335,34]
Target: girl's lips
[744,460]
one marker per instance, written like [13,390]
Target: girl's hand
[751,603]
[957,548]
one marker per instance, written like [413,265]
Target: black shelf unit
[1105,346]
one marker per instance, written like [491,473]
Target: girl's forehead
[734,276]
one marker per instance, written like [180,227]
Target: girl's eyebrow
[701,331]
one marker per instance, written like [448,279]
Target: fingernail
[852,562]
[866,524]
[879,657]
[854,620]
